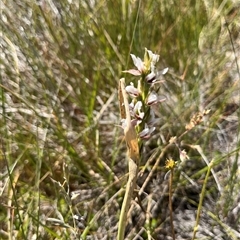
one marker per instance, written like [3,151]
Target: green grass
[60,66]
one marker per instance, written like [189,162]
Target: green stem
[133,171]
[170,203]
[201,200]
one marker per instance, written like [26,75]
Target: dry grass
[62,152]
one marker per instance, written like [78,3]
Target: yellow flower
[170,163]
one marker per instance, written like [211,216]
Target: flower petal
[150,59]
[154,57]
[146,133]
[138,62]
[164,71]
[150,77]
[133,72]
[153,98]
[132,91]
[157,77]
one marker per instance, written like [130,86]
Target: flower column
[143,98]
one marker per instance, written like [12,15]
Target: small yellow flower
[170,163]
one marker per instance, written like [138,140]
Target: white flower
[138,63]
[138,110]
[132,91]
[146,133]
[153,98]
[150,77]
[154,58]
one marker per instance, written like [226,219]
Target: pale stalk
[133,160]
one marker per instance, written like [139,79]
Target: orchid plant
[142,94]
[138,120]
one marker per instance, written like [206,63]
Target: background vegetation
[62,152]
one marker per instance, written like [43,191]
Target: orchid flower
[143,117]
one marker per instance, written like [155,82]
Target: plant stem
[201,200]
[133,158]
[133,171]
[170,203]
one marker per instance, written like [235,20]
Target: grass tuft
[62,152]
